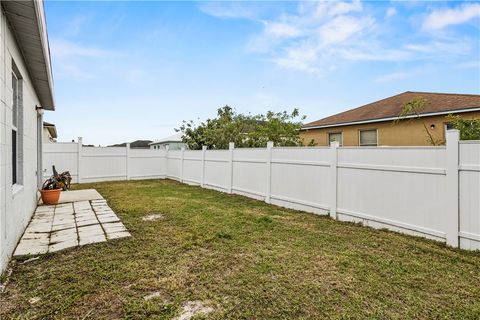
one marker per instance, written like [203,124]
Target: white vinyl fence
[432,192]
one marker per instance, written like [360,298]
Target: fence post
[79,159]
[202,179]
[333,178]
[127,160]
[268,192]
[231,146]
[167,147]
[182,162]
[453,137]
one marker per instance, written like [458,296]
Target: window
[368,137]
[17,127]
[14,128]
[335,136]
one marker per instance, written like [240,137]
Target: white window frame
[335,132]
[15,128]
[360,137]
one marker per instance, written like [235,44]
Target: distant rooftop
[177,137]
[137,144]
[390,107]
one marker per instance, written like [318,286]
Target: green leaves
[413,108]
[245,130]
[469,129]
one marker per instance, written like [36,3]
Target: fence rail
[432,192]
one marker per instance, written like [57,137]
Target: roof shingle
[391,107]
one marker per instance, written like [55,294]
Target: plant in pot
[52,187]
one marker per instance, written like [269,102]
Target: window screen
[14,157]
[14,101]
[17,128]
[335,136]
[368,137]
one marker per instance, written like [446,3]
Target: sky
[135,70]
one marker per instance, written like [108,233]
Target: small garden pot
[50,196]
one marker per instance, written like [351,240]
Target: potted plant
[52,187]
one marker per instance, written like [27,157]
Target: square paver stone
[64,226]
[84,223]
[108,219]
[64,235]
[92,239]
[31,247]
[117,235]
[63,245]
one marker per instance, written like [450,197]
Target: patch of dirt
[157,294]
[153,217]
[34,300]
[191,309]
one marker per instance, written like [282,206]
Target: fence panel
[217,171]
[469,194]
[192,167]
[174,164]
[147,164]
[103,163]
[250,172]
[396,188]
[300,178]
[64,155]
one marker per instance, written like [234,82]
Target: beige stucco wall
[404,133]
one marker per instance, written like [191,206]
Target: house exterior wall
[404,133]
[171,145]
[47,137]
[18,202]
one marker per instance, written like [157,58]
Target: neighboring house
[49,132]
[374,124]
[26,91]
[137,144]
[174,142]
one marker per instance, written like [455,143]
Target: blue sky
[134,70]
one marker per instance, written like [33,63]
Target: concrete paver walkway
[70,224]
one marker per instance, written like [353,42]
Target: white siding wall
[404,189]
[46,136]
[16,207]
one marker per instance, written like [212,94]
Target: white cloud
[331,8]
[391,12]
[71,71]
[280,29]
[439,19]
[319,36]
[342,28]
[299,58]
[65,49]
[228,10]
[441,47]
[392,77]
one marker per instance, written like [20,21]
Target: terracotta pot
[50,196]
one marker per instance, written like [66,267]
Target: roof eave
[429,114]
[27,20]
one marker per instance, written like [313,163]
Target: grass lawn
[246,260]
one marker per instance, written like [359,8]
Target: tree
[415,107]
[245,130]
[469,129]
